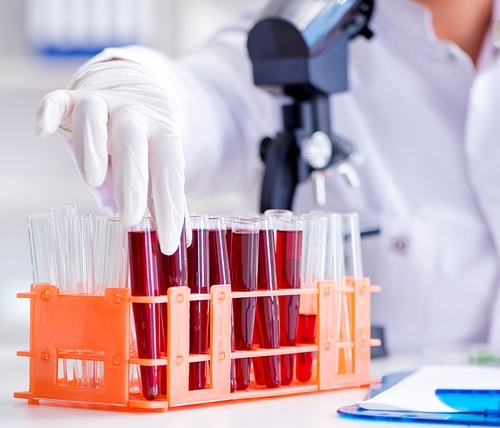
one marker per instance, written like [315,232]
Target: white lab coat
[427,123]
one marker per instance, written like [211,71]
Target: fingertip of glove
[168,248]
[130,219]
[40,130]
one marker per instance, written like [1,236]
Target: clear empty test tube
[80,250]
[172,272]
[352,246]
[288,263]
[110,254]
[334,260]
[143,254]
[198,282]
[313,271]
[349,266]
[80,280]
[244,251]
[267,369]
[42,238]
[220,272]
[62,255]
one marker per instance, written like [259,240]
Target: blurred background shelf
[36,73]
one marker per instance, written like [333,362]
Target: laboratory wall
[39,173]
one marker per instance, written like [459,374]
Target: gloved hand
[120,108]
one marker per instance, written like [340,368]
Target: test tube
[228,221]
[267,369]
[288,264]
[220,272]
[110,254]
[198,282]
[143,254]
[244,252]
[42,238]
[278,213]
[350,266]
[80,250]
[80,276]
[172,272]
[62,256]
[352,245]
[219,262]
[334,254]
[313,271]
[275,214]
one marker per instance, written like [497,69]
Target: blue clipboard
[475,407]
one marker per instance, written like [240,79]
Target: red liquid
[244,278]
[267,369]
[172,272]
[219,262]
[220,274]
[198,281]
[143,248]
[306,335]
[229,236]
[288,259]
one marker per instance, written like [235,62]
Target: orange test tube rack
[97,328]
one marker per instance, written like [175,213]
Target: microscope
[299,48]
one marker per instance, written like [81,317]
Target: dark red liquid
[172,272]
[288,259]
[267,369]
[244,247]
[143,253]
[220,274]
[229,236]
[219,262]
[198,281]
[305,335]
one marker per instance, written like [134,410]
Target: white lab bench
[316,410]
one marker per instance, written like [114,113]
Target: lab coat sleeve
[224,115]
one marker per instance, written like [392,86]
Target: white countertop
[308,410]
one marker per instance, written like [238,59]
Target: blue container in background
[85,27]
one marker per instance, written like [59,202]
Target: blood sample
[267,369]
[306,335]
[288,264]
[220,272]
[172,272]
[198,282]
[143,253]
[228,221]
[313,271]
[244,250]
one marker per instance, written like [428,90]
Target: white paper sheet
[417,391]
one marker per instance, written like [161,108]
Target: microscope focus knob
[317,150]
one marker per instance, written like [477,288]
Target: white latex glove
[121,108]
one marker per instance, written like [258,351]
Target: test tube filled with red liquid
[244,252]
[228,221]
[267,369]
[220,272]
[198,282]
[288,264]
[313,271]
[143,254]
[172,272]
